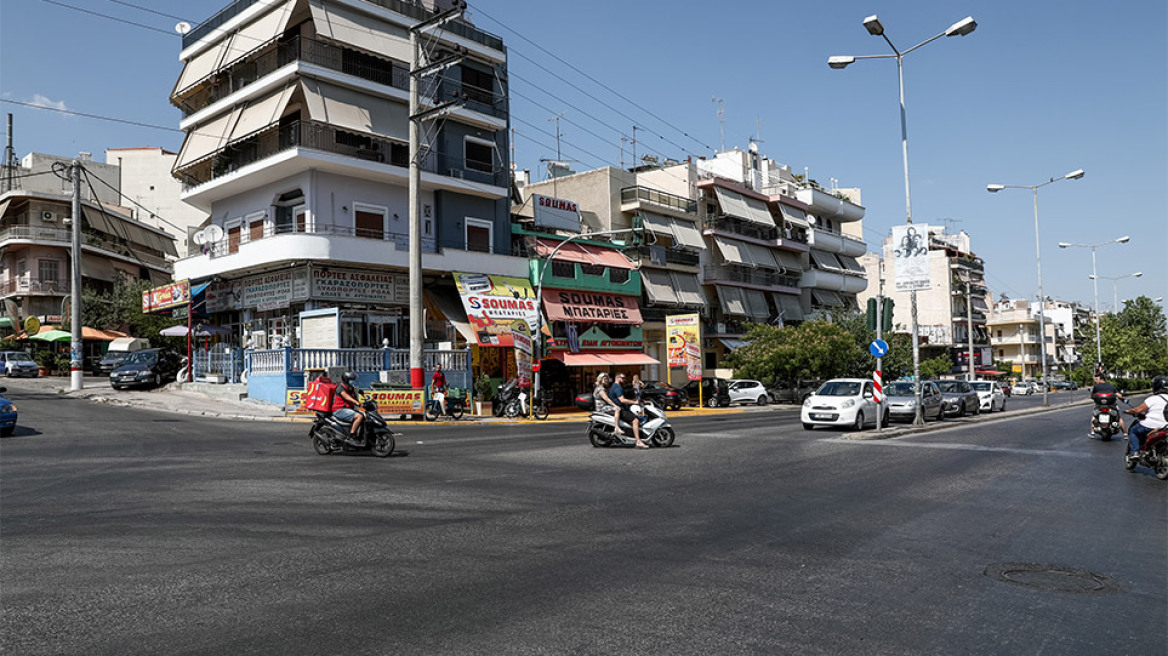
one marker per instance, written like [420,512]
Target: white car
[1023,389]
[840,402]
[748,391]
[991,394]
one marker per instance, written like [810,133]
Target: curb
[956,422]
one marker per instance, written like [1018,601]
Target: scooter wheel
[431,413]
[598,438]
[663,437]
[457,411]
[383,444]
[540,412]
[321,445]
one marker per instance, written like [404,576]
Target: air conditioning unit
[48,216]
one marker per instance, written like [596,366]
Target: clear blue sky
[1040,89]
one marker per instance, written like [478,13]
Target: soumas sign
[167,296]
[389,402]
[591,307]
[497,306]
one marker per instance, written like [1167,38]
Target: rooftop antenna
[721,119]
[559,134]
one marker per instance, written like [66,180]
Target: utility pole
[76,358]
[969,324]
[879,377]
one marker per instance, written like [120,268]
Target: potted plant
[47,360]
[483,390]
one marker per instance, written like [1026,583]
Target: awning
[794,216]
[732,251]
[731,300]
[4,205]
[262,113]
[257,33]
[756,304]
[759,212]
[761,255]
[825,260]
[632,358]
[450,305]
[98,221]
[825,297]
[590,307]
[361,31]
[688,289]
[659,287]
[687,234]
[790,307]
[979,304]
[789,261]
[732,344]
[658,223]
[732,204]
[582,360]
[98,268]
[850,263]
[356,111]
[206,139]
[201,65]
[583,253]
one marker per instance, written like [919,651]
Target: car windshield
[116,355]
[900,389]
[839,388]
[950,386]
[19,357]
[142,357]
[982,387]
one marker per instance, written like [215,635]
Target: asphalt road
[126,531]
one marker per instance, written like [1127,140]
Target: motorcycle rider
[1104,387]
[624,400]
[438,389]
[1153,410]
[352,411]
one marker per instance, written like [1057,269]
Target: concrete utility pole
[76,358]
[969,325]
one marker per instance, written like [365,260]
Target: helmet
[1159,384]
[349,377]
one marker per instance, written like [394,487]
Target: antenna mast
[721,119]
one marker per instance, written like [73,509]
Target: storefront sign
[497,306]
[680,330]
[167,296]
[590,307]
[522,343]
[354,286]
[693,362]
[389,402]
[911,256]
[556,213]
[595,339]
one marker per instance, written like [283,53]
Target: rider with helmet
[1104,393]
[352,411]
[1153,410]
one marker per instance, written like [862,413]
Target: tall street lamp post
[1115,287]
[875,28]
[994,188]
[1094,277]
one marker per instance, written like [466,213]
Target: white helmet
[636,409]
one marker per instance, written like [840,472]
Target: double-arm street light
[1115,287]
[994,188]
[1095,278]
[875,28]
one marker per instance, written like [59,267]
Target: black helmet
[1159,384]
[349,377]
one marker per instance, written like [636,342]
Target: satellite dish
[199,238]
[183,27]
[213,233]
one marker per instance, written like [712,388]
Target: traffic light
[887,323]
[871,314]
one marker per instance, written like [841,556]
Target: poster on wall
[911,256]
[497,306]
[693,362]
[681,330]
[347,285]
[522,343]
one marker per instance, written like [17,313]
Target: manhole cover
[1051,578]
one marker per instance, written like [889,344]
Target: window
[618,276]
[300,218]
[234,230]
[369,221]
[563,269]
[477,85]
[480,155]
[255,226]
[50,270]
[479,235]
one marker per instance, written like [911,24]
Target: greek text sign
[497,306]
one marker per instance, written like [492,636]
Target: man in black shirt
[1104,387]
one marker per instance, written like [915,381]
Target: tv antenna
[630,140]
[721,119]
[556,118]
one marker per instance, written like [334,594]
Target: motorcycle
[455,408]
[329,434]
[1153,453]
[507,392]
[517,407]
[1105,418]
[655,428]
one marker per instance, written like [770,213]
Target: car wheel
[858,425]
[712,402]
[808,427]
[7,432]
[762,399]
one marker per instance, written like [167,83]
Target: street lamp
[1115,286]
[1098,340]
[994,188]
[876,28]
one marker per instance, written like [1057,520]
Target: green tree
[120,308]
[812,350]
[1133,341]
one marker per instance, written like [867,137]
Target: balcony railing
[748,276]
[274,139]
[278,53]
[660,255]
[741,227]
[415,11]
[34,286]
[87,238]
[231,244]
[661,198]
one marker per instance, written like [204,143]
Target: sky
[1040,89]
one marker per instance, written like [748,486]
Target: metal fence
[279,362]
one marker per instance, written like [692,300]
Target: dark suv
[715,392]
[146,368]
[665,395]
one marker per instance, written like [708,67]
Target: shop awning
[582,360]
[361,31]
[731,301]
[628,359]
[790,307]
[257,33]
[583,253]
[659,287]
[794,216]
[590,307]
[355,110]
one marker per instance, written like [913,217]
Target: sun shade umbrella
[205,331]
[53,336]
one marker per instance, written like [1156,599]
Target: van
[118,350]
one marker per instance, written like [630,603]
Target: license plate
[820,415]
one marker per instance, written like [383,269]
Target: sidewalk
[208,400]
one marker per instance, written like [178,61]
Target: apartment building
[153,194]
[297,146]
[1013,326]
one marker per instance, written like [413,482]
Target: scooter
[655,428]
[517,407]
[455,407]
[1153,453]
[329,434]
[1105,418]
[507,392]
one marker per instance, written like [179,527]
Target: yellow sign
[683,336]
[32,325]
[1017,368]
[389,402]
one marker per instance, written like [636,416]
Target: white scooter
[655,428]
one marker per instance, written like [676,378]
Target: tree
[121,309]
[812,350]
[1133,340]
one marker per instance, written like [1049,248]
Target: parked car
[990,394]
[665,395]
[146,368]
[792,392]
[8,415]
[840,402]
[715,392]
[747,392]
[958,398]
[118,349]
[902,401]
[1065,385]
[18,363]
[1023,389]
[110,361]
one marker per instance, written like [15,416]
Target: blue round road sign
[878,348]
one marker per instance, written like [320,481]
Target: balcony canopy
[235,46]
[741,207]
[790,307]
[794,216]
[353,110]
[360,31]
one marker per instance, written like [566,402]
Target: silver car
[958,398]
[992,396]
[18,363]
[748,391]
[902,401]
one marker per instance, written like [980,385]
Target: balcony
[835,242]
[64,237]
[633,198]
[961,262]
[754,277]
[834,281]
[34,286]
[827,206]
[661,256]
[743,228]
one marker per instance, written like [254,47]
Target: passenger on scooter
[1104,387]
[617,392]
[438,389]
[1153,411]
[602,403]
[352,411]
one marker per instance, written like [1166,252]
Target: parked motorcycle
[517,407]
[1105,418]
[655,428]
[329,434]
[455,408]
[507,392]
[1153,453]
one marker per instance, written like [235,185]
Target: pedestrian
[638,388]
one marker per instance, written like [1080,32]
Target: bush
[484,388]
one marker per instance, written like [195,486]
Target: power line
[149,10]
[113,18]
[152,213]
[95,116]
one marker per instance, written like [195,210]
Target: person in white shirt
[1153,410]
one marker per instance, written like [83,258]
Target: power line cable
[149,10]
[135,202]
[113,18]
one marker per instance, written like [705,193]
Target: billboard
[496,306]
[556,213]
[167,296]
[911,257]
[680,331]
